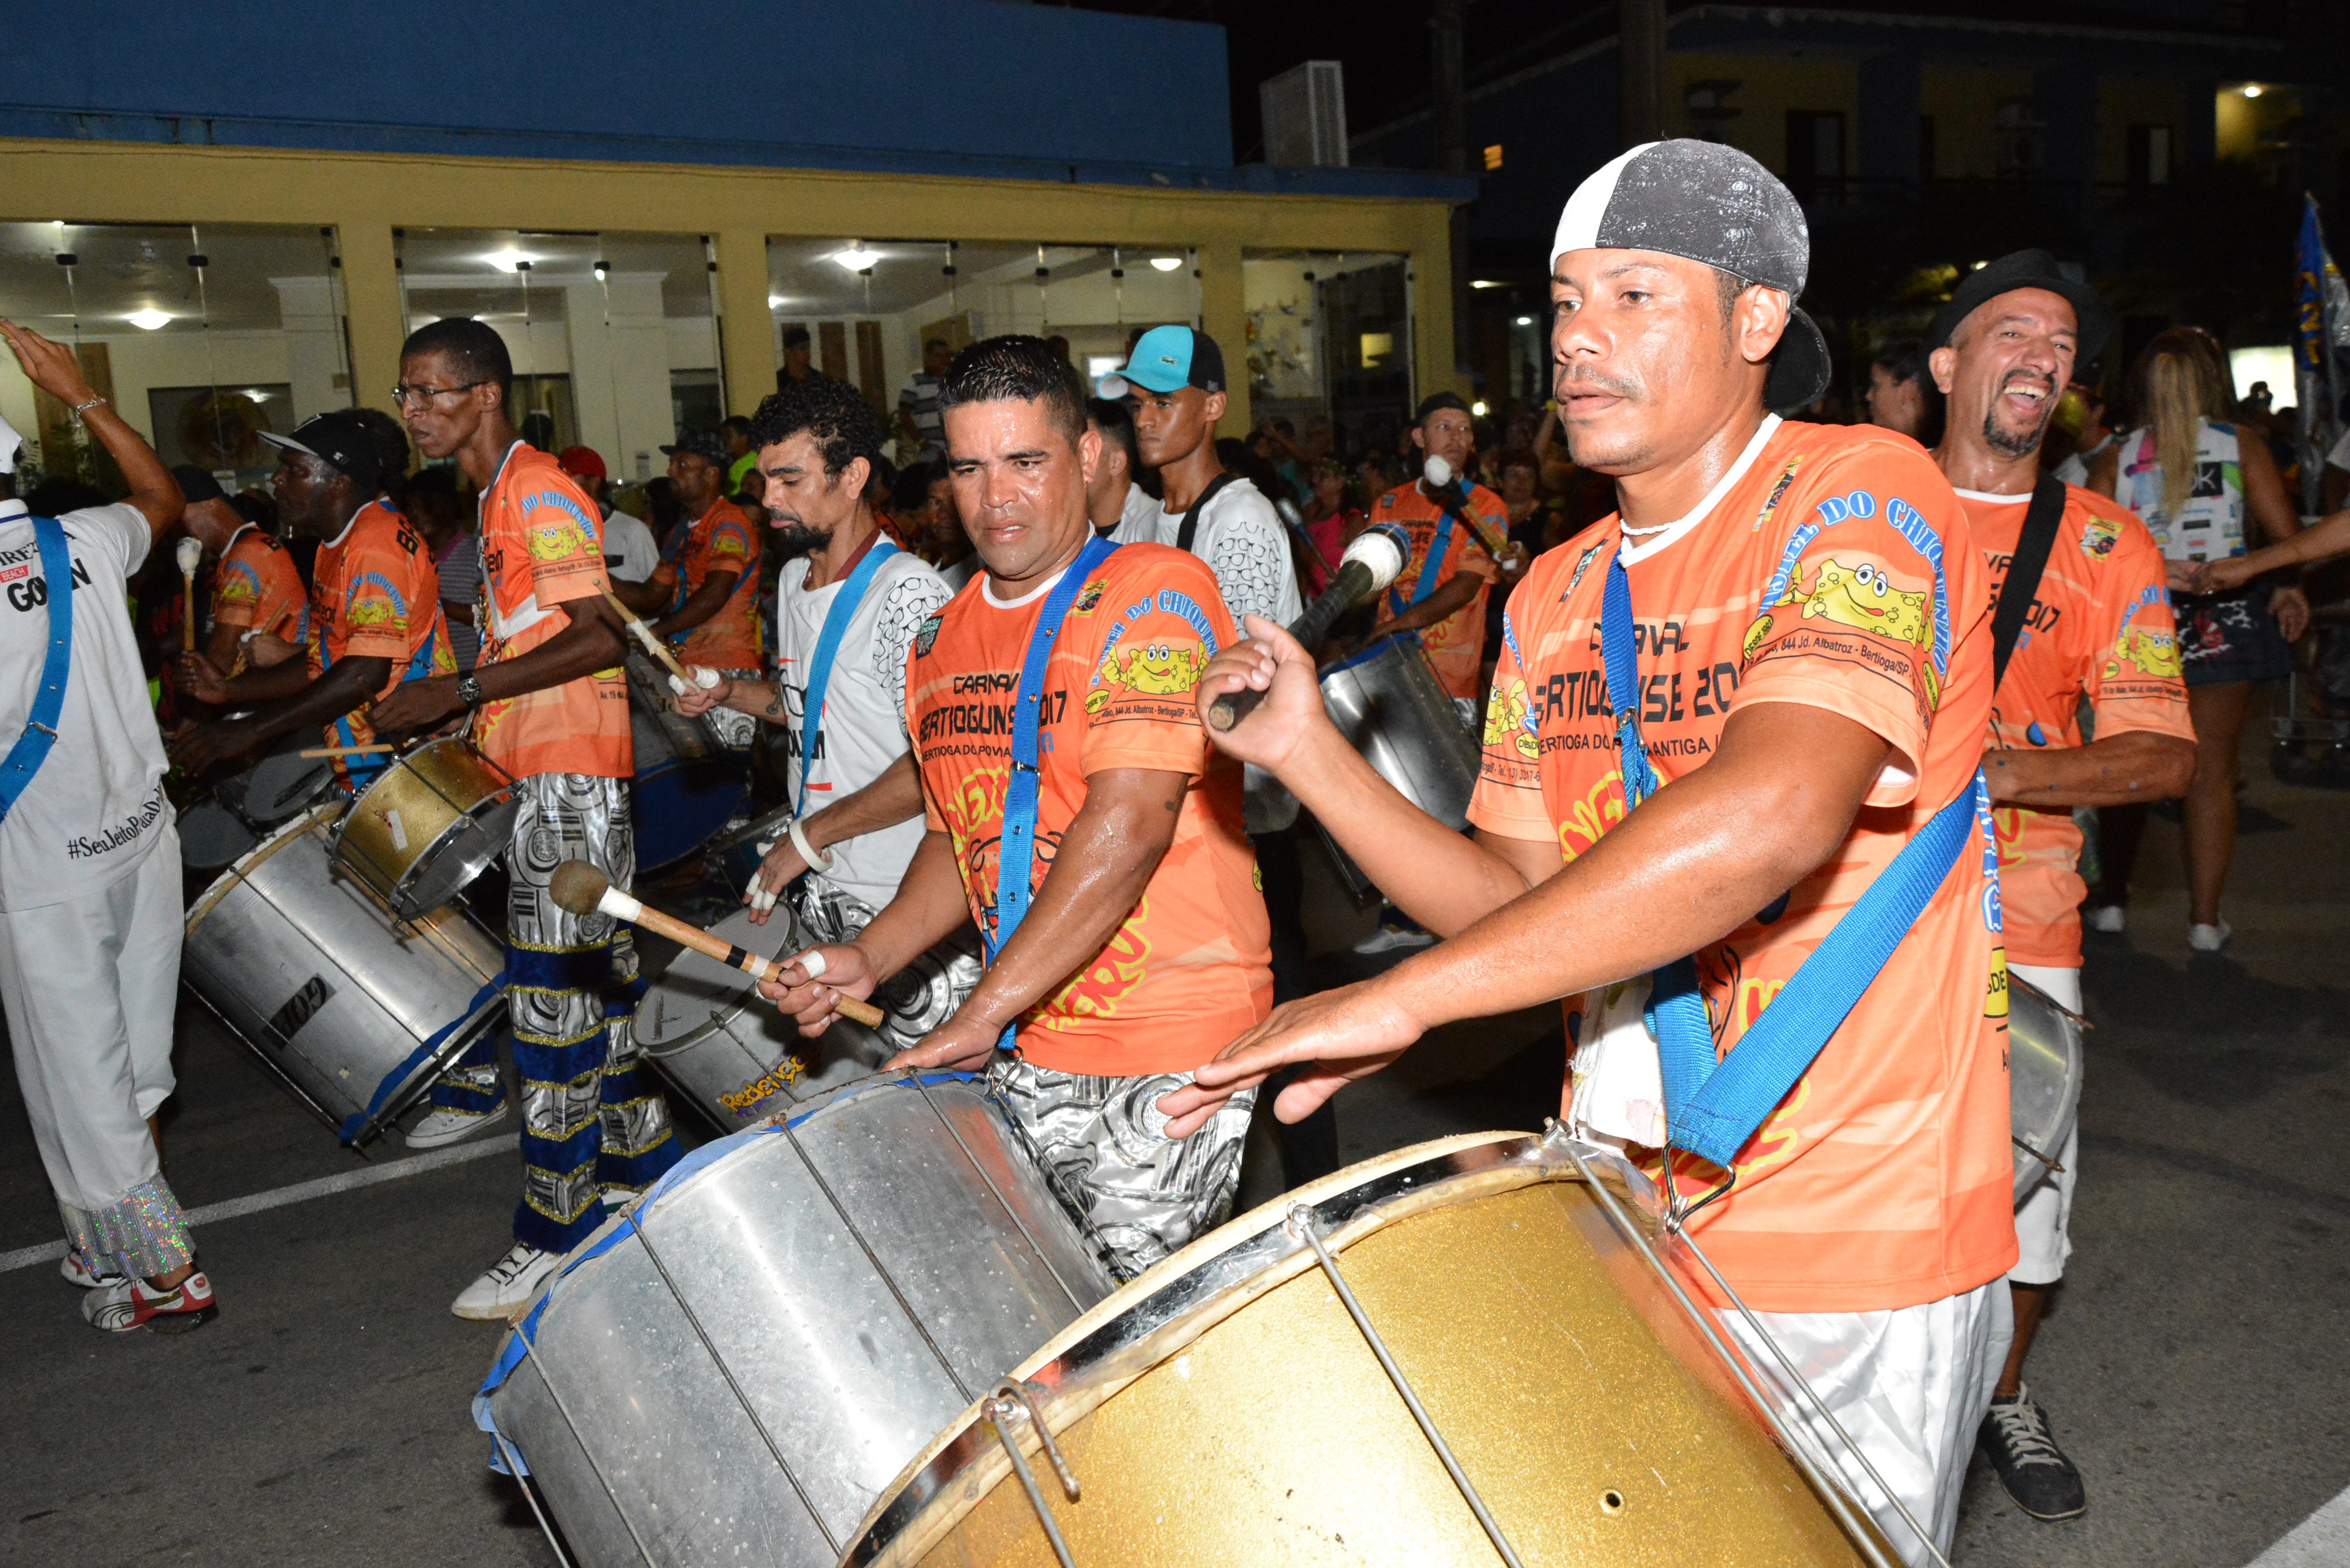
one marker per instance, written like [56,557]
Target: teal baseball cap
[1166,357]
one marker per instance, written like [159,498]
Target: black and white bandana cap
[1712,203]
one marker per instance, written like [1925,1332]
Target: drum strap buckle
[1007,1401]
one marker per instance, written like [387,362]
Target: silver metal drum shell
[709,1031]
[1391,709]
[800,1254]
[2044,1061]
[286,918]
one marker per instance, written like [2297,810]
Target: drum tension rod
[1008,1401]
[1300,1224]
[2035,1154]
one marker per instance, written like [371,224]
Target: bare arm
[646,597]
[895,796]
[2264,495]
[929,908]
[53,369]
[588,642]
[1451,595]
[2113,770]
[2320,541]
[699,606]
[343,689]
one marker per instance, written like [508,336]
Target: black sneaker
[2034,1470]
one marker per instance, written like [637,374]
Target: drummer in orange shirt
[256,592]
[375,618]
[714,621]
[1108,868]
[2096,627]
[1440,593]
[551,708]
[1799,641]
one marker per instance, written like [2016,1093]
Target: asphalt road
[2194,1362]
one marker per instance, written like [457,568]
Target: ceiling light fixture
[148,320]
[1525,321]
[1487,282]
[856,258]
[1166,263]
[774,302]
[505,260]
[2251,90]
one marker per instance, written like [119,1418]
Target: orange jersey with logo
[1456,644]
[1191,967]
[723,540]
[376,594]
[255,586]
[1835,571]
[543,547]
[2100,628]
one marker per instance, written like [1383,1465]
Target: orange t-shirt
[1192,966]
[1833,570]
[1456,644]
[2100,628]
[542,545]
[256,586]
[376,594]
[721,541]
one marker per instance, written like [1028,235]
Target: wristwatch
[469,691]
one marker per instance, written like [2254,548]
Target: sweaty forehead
[1600,264]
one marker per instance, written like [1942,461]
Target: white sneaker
[443,1127]
[1387,939]
[2209,939]
[2110,918]
[498,1295]
[80,1270]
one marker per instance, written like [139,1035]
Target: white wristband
[807,851]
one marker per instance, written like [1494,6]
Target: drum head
[212,836]
[283,784]
[462,853]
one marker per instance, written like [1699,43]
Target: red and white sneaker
[79,1269]
[135,1303]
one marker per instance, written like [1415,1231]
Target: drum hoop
[429,854]
[235,875]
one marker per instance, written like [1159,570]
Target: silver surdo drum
[732,1368]
[1391,708]
[354,1008]
[2043,1079]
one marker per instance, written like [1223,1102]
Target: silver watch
[469,691]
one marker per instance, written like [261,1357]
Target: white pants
[2044,1220]
[1909,1386]
[88,987]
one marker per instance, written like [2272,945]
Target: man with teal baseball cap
[1166,357]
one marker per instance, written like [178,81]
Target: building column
[372,308]
[1223,316]
[1430,265]
[747,331]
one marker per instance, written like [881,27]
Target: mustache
[1589,380]
[2033,378]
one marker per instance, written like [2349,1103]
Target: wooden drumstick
[644,634]
[584,890]
[345,751]
[191,557]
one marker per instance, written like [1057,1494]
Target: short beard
[796,536]
[2009,443]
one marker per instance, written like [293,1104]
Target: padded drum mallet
[1373,561]
[584,890]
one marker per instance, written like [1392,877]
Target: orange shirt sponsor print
[1191,967]
[542,547]
[2100,629]
[376,594]
[256,586]
[1833,571]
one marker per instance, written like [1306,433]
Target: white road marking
[2320,1541]
[300,1192]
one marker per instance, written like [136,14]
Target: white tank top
[2209,523]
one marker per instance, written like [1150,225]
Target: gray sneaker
[2038,1476]
[445,1126]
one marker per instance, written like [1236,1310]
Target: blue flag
[2321,320]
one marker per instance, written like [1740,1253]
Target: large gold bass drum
[1463,1353]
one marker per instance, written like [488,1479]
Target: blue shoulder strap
[1713,1106]
[32,748]
[1015,862]
[1425,584]
[827,647]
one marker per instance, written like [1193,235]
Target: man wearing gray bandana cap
[1801,659]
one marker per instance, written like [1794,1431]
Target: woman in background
[2202,492]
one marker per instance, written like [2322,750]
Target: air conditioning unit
[1305,116]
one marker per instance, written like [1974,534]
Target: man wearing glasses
[550,707]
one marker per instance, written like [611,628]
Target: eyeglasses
[399,395]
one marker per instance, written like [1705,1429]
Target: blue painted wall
[951,86]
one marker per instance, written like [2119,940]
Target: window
[2150,156]
[1816,156]
[2018,131]
[1492,157]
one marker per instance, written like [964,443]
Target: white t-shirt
[865,730]
[1240,536]
[629,552]
[96,806]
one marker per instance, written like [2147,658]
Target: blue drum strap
[1425,583]
[1713,1106]
[877,550]
[32,748]
[1017,859]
